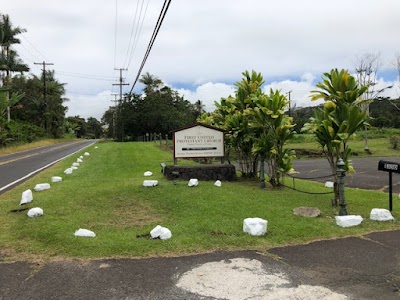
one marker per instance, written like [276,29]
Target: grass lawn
[106,196]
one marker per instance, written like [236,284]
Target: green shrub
[394,141]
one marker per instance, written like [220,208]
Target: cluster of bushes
[19,132]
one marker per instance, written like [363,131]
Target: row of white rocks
[27,196]
[258,226]
[192,182]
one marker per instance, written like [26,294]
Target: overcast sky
[203,46]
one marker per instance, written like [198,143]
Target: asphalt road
[352,268]
[366,174]
[16,167]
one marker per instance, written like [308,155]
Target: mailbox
[389,166]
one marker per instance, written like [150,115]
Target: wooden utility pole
[121,82]
[44,64]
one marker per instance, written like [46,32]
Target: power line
[133,26]
[153,37]
[33,46]
[137,34]
[115,32]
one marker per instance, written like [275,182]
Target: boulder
[86,154]
[381,214]
[329,184]
[160,232]
[348,221]
[75,164]
[218,183]
[309,212]
[85,233]
[41,187]
[74,168]
[35,212]
[148,173]
[81,157]
[193,182]
[150,183]
[27,197]
[255,226]
[79,160]
[56,179]
[68,171]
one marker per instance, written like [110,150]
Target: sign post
[389,167]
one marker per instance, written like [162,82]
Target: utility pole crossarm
[121,82]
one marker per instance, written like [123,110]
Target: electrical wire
[136,37]
[153,37]
[133,27]
[115,32]
[33,46]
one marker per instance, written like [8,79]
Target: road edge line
[42,168]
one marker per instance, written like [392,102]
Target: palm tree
[151,82]
[9,60]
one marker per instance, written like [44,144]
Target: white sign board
[198,141]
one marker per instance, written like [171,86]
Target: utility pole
[121,82]
[289,102]
[44,64]
[114,111]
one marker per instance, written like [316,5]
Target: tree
[367,67]
[9,61]
[48,112]
[159,109]
[339,118]
[256,127]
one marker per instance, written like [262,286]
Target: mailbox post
[390,167]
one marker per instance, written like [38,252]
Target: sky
[203,47]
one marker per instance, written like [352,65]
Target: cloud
[208,93]
[87,106]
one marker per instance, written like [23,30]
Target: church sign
[198,141]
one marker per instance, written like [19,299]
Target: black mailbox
[389,166]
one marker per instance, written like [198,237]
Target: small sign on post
[390,167]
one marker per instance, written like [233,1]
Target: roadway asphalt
[25,164]
[366,174]
[366,267]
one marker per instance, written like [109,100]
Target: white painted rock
[381,214]
[85,233]
[218,183]
[79,160]
[348,221]
[81,157]
[35,212]
[41,187]
[86,154]
[329,184]
[255,226]
[148,173]
[150,183]
[26,197]
[68,171]
[96,147]
[56,179]
[160,232]
[74,168]
[193,182]
[75,164]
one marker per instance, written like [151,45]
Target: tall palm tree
[151,82]
[9,61]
